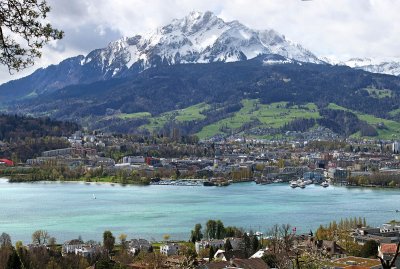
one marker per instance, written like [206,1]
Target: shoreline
[169,182]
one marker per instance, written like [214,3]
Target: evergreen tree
[108,241]
[334,226]
[360,223]
[228,245]
[5,240]
[211,228]
[220,230]
[369,249]
[341,224]
[346,224]
[255,244]
[211,254]
[13,261]
[246,244]
[196,234]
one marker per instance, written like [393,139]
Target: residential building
[137,245]
[69,247]
[169,249]
[387,253]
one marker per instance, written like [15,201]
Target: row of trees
[377,179]
[334,229]
[215,229]
[53,172]
[44,253]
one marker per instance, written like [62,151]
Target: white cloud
[338,28]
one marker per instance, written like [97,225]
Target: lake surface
[68,210]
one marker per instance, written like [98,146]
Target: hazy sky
[336,28]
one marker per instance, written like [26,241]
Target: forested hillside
[22,138]
[205,99]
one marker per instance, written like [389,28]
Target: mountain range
[197,38]
[199,70]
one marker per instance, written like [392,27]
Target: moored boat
[325,184]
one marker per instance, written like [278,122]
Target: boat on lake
[325,184]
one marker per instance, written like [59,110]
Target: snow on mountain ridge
[196,38]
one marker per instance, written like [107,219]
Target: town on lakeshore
[184,160]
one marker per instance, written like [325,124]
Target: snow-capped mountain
[389,67]
[358,62]
[196,38]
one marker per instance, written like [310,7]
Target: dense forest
[22,138]
[20,127]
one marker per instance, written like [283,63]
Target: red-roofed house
[7,162]
[387,252]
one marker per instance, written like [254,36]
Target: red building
[7,162]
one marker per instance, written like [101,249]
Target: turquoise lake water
[68,210]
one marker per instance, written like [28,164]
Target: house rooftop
[388,248]
[355,262]
[239,263]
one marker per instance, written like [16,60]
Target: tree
[369,249]
[52,264]
[255,244]
[211,254]
[52,241]
[19,245]
[232,231]
[196,234]
[228,245]
[220,230]
[24,32]
[270,259]
[166,237]
[108,241]
[13,261]
[5,240]
[40,237]
[247,244]
[188,254]
[124,243]
[211,227]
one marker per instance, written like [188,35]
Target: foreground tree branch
[24,32]
[388,264]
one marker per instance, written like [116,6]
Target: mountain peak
[199,37]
